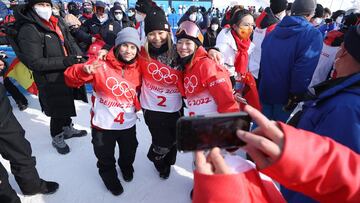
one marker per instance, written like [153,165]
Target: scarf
[242,56]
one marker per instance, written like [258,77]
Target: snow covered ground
[76,172]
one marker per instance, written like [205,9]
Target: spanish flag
[18,71]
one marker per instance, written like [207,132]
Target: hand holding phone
[206,132]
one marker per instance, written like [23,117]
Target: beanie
[278,5]
[128,35]
[156,20]
[143,6]
[303,7]
[238,15]
[319,11]
[31,3]
[352,41]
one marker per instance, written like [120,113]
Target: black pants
[16,149]
[162,127]
[14,92]
[7,194]
[104,142]
[57,124]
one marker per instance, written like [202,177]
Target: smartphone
[205,132]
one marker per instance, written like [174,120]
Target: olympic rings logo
[162,74]
[119,88]
[190,83]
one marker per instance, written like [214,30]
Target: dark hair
[238,16]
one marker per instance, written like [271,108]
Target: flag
[18,71]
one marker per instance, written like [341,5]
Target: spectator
[131,15]
[17,150]
[142,7]
[327,13]
[273,147]
[317,19]
[265,23]
[212,33]
[49,52]
[294,48]
[337,18]
[191,15]
[73,9]
[335,109]
[87,11]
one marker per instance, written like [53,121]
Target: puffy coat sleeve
[31,44]
[307,58]
[75,76]
[317,166]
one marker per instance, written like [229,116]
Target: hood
[24,15]
[347,85]
[290,26]
[266,19]
[115,63]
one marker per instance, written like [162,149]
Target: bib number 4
[119,118]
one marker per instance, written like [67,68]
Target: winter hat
[156,20]
[352,41]
[319,11]
[278,5]
[303,7]
[128,35]
[190,30]
[143,6]
[238,15]
[215,20]
[31,3]
[100,4]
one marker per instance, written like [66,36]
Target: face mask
[55,12]
[130,14]
[87,10]
[118,17]
[339,19]
[214,27]
[245,32]
[43,12]
[192,17]
[139,18]
[317,21]
[103,18]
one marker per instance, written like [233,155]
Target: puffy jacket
[335,113]
[265,23]
[334,180]
[5,107]
[42,51]
[289,57]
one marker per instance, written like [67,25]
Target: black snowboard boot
[113,185]
[128,174]
[46,187]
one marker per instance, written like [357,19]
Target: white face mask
[317,21]
[192,17]
[130,14]
[118,17]
[103,18]
[281,15]
[43,12]
[55,12]
[339,19]
[214,27]
[139,18]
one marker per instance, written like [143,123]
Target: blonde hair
[169,43]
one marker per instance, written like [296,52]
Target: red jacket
[324,170]
[207,86]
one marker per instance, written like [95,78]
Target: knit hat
[143,6]
[303,7]
[319,11]
[128,35]
[352,41]
[156,20]
[278,5]
[31,3]
[238,15]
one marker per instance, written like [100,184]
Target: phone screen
[206,132]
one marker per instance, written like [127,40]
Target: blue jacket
[335,113]
[290,54]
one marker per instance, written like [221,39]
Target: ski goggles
[190,29]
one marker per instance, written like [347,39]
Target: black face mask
[153,51]
[87,10]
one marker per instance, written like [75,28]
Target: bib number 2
[162,101]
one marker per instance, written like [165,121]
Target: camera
[205,132]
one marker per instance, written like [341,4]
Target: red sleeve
[241,188]
[270,28]
[76,77]
[218,82]
[317,166]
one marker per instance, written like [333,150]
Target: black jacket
[210,37]
[42,52]
[5,107]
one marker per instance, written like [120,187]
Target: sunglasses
[190,29]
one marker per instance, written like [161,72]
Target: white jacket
[255,58]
